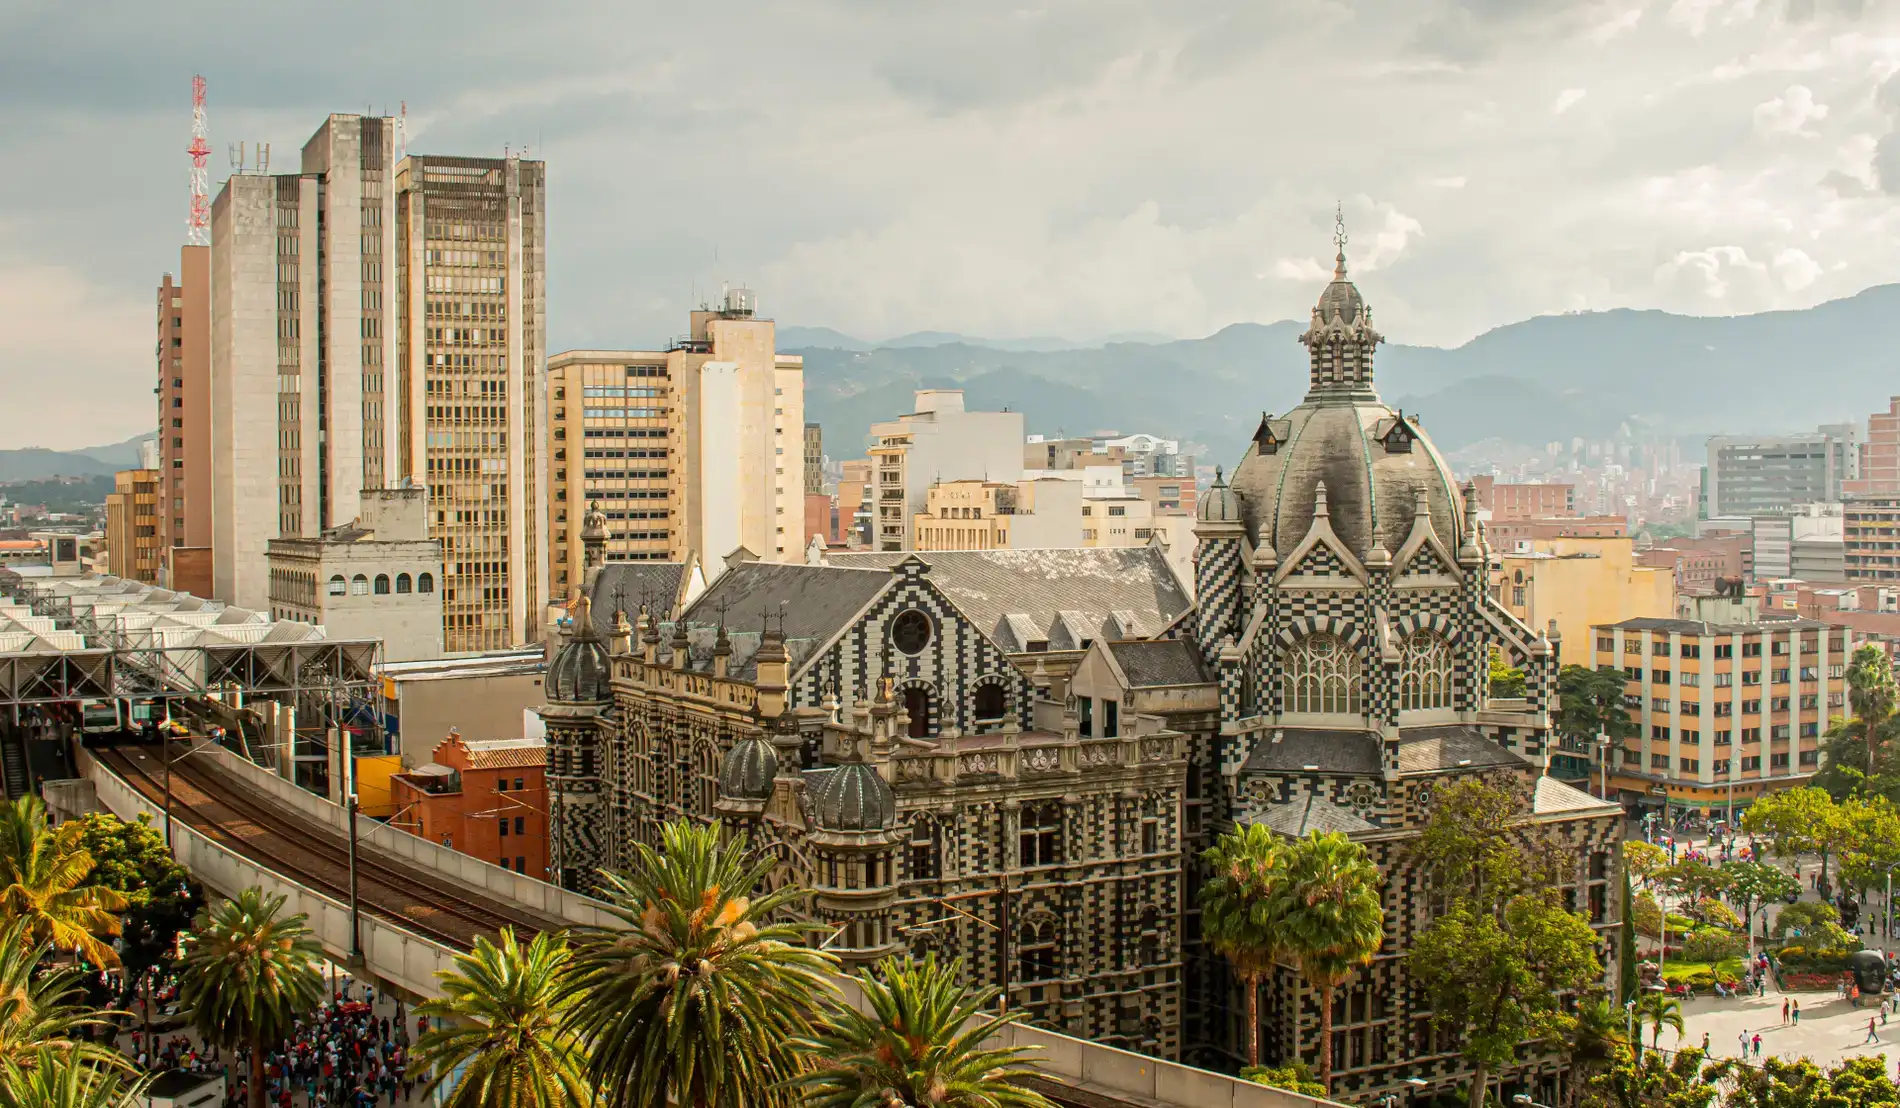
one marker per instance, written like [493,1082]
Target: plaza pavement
[1831,1029]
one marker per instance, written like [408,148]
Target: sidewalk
[1831,1028]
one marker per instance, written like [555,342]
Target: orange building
[1525,502]
[488,800]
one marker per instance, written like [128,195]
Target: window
[1778,733]
[1691,650]
[1751,677]
[1751,734]
[1691,765]
[1691,708]
[1425,673]
[1039,837]
[1721,765]
[1810,673]
[1810,757]
[1751,707]
[1085,715]
[1659,704]
[504,826]
[1724,680]
[1321,675]
[1606,643]
[926,861]
[1691,680]
[1150,836]
[1632,758]
[1659,677]
[1660,648]
[910,631]
[917,707]
[1517,596]
[1036,951]
[1725,650]
[337,586]
[990,701]
[1751,649]
[1111,719]
[359,585]
[402,583]
[1751,763]
[1777,761]
[425,583]
[1659,732]
[382,584]
[1722,737]
[519,821]
[1778,703]
[1659,761]
[1781,677]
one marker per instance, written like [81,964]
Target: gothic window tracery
[1425,672]
[1036,953]
[1321,674]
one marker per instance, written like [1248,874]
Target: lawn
[1728,969]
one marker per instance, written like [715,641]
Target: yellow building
[995,515]
[1581,583]
[132,525]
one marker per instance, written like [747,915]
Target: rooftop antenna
[236,152]
[402,131]
[198,222]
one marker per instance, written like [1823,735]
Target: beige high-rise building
[132,525]
[698,449]
[378,321]
[183,504]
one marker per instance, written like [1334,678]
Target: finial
[1339,240]
[1319,500]
[1217,475]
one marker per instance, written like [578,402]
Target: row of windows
[360,585]
[1752,649]
[1322,674]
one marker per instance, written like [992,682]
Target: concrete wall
[244,386]
[482,708]
[721,496]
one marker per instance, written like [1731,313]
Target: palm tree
[61,1080]
[40,1009]
[699,992]
[917,1046]
[43,873]
[1659,1010]
[247,975]
[1331,920]
[1597,1040]
[503,1007]
[1245,868]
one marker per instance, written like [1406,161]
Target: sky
[1075,169]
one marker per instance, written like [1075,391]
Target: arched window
[1425,675]
[359,585]
[425,583]
[991,702]
[1322,675]
[917,706]
[1036,954]
[382,584]
[926,854]
[338,586]
[402,582]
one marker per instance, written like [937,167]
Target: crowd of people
[353,1051]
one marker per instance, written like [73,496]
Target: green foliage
[41,1007]
[1648,916]
[161,897]
[1293,1078]
[46,882]
[1590,703]
[1804,916]
[921,1044]
[1246,867]
[1798,1083]
[1646,861]
[1713,946]
[1331,921]
[1476,847]
[1820,959]
[1651,1079]
[1506,680]
[1754,884]
[248,973]
[55,1079]
[1657,1011]
[502,1037]
[700,990]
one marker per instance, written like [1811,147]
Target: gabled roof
[659,584]
[1324,749]
[1056,596]
[1448,747]
[1159,662]
[507,753]
[1313,814]
[816,603]
[1553,797]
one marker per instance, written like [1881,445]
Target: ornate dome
[580,670]
[853,797]
[1373,461]
[1218,504]
[747,770]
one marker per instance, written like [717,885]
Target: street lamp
[1603,764]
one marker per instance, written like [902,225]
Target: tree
[1858,754]
[1506,680]
[1590,703]
[1797,822]
[60,1080]
[1597,1040]
[1476,846]
[502,1009]
[160,895]
[1869,841]
[1642,1079]
[44,875]
[1246,867]
[1860,1082]
[699,992]
[1495,983]
[1646,861]
[1648,916]
[1331,921]
[920,1044]
[247,975]
[41,1009]
[1806,916]
[1293,1077]
[1753,884]
[1659,1010]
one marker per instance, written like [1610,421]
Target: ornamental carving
[1099,754]
[1041,759]
[1157,750]
[979,763]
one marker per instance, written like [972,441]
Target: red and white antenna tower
[198,224]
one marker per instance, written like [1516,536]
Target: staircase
[13,764]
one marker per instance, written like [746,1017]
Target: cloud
[1567,99]
[1693,15]
[1446,182]
[1796,270]
[1714,267]
[1790,113]
[1625,20]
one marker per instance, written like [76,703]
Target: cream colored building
[1581,583]
[131,538]
[697,450]
[937,441]
[377,577]
[376,320]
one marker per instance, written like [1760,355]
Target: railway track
[314,856]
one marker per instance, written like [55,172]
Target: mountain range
[1550,378]
[34,463]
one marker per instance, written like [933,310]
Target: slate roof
[1159,662]
[660,582]
[1553,796]
[1313,814]
[817,603]
[1444,747]
[507,754]
[1351,752]
[1058,596]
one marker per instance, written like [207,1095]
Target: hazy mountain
[792,337]
[1543,379]
[33,463]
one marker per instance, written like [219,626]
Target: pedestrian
[1743,1039]
[1757,1044]
[1797,1013]
[1784,1010]
[1873,1036]
[1705,1043]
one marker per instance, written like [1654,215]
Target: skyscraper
[377,321]
[183,505]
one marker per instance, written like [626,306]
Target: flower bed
[1806,982]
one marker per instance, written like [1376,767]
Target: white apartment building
[377,320]
[376,577]
[937,441]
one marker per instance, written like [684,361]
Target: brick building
[488,800]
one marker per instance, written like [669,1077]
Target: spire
[1339,240]
[1340,341]
[1320,510]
